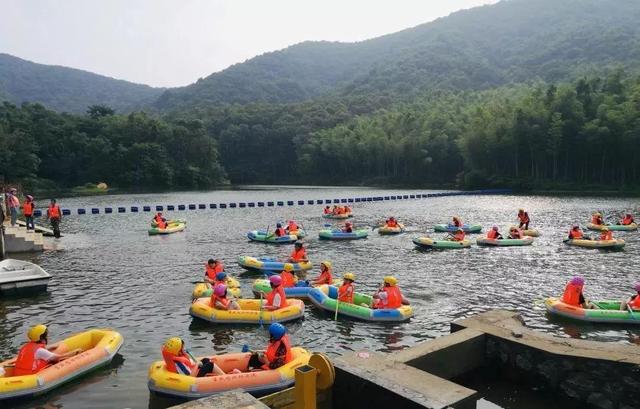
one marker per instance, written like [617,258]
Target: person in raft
[278,352]
[596,219]
[158,218]
[27,211]
[606,234]
[220,299]
[292,226]
[524,219]
[458,235]
[391,222]
[347,289]
[180,361]
[211,270]
[389,295]
[573,294]
[515,233]
[627,220]
[35,356]
[576,234]
[325,274]
[299,253]
[348,227]
[327,210]
[456,221]
[633,302]
[54,214]
[276,299]
[288,279]
[279,231]
[494,234]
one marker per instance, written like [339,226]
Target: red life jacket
[222,300]
[299,255]
[272,351]
[576,234]
[635,303]
[325,278]
[210,271]
[288,279]
[157,218]
[327,211]
[272,294]
[54,211]
[458,236]
[27,209]
[292,226]
[606,235]
[492,234]
[393,300]
[345,293]
[280,232]
[597,220]
[162,224]
[171,359]
[571,294]
[627,221]
[26,362]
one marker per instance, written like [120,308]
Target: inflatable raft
[608,312]
[175,221]
[385,230]
[171,228]
[250,312]
[21,277]
[467,228]
[527,241]
[325,296]
[327,234]
[298,233]
[597,244]
[269,264]
[337,216]
[613,227]
[97,346]
[262,236]
[255,382]
[531,232]
[205,289]
[427,242]
[261,286]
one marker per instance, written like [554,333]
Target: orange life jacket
[393,300]
[292,226]
[325,278]
[26,362]
[345,293]
[606,235]
[171,359]
[627,221]
[222,300]
[157,218]
[288,279]
[272,294]
[597,220]
[54,211]
[272,351]
[571,294]
[492,234]
[211,272]
[392,223]
[280,232]
[635,303]
[299,255]
[27,208]
[576,234]
[162,224]
[459,236]
[327,211]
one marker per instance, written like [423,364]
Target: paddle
[260,312]
[267,236]
[633,315]
[335,317]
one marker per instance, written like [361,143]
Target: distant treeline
[539,135]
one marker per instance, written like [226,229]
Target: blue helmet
[221,276]
[277,330]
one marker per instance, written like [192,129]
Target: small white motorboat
[17,276]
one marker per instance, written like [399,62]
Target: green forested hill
[511,42]
[68,89]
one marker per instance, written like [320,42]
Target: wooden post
[305,388]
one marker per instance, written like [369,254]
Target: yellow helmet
[327,264]
[173,345]
[391,280]
[350,276]
[605,229]
[288,267]
[520,210]
[597,214]
[36,332]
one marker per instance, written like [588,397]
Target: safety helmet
[220,290]
[174,345]
[349,276]
[459,229]
[327,264]
[29,197]
[577,280]
[277,330]
[495,228]
[391,280]
[597,214]
[288,267]
[278,225]
[211,261]
[36,332]
[221,276]
[456,217]
[298,244]
[520,210]
[275,280]
[575,227]
[605,229]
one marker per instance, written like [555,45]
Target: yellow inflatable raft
[250,312]
[205,289]
[597,244]
[96,347]
[256,382]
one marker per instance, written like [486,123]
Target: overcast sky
[174,42]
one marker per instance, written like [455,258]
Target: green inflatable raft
[527,241]
[429,243]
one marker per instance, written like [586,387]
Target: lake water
[107,272]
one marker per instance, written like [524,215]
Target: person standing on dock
[54,214]
[13,204]
[27,211]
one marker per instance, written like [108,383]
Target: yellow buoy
[102,186]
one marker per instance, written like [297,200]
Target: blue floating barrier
[405,196]
[350,200]
[121,209]
[242,204]
[181,207]
[336,200]
[289,202]
[81,211]
[300,202]
[66,212]
[134,209]
[192,207]
[343,200]
[369,199]
[146,208]
[37,213]
[213,206]
[251,204]
[108,210]
[412,196]
[159,208]
[222,205]
[393,198]
[327,201]
[270,204]
[260,204]
[357,200]
[232,205]
[387,198]
[280,203]
[95,211]
[171,207]
[319,201]
[310,202]
[202,206]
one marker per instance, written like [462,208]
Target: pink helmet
[577,280]
[275,280]
[637,287]
[220,290]
[495,228]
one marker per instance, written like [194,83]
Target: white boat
[17,276]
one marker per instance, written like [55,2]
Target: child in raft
[347,289]
[278,352]
[389,295]
[180,361]
[494,234]
[577,234]
[327,210]
[606,234]
[325,274]
[515,233]
[457,236]
[391,222]
[348,227]
[633,302]
[573,294]
[212,268]
[220,300]
[276,298]
[288,279]
[456,221]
